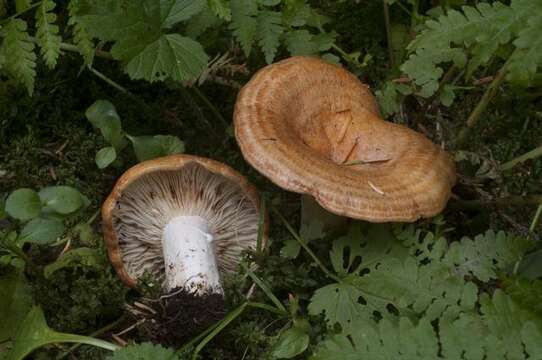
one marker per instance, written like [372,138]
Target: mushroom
[313,128]
[183,219]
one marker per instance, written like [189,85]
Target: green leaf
[105,156]
[528,59]
[47,33]
[138,30]
[296,13]
[103,116]
[269,2]
[447,95]
[18,51]
[84,256]
[143,351]
[220,8]
[61,199]
[244,23]
[290,249]
[269,32]
[41,231]
[35,333]
[291,342]
[15,301]
[23,204]
[81,37]
[150,147]
[22,5]
[301,42]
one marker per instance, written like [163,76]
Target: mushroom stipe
[185,221]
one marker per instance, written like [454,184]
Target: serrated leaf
[81,37]
[105,156]
[18,51]
[243,22]
[269,31]
[23,204]
[138,30]
[291,342]
[201,22]
[290,249]
[528,58]
[301,42]
[143,351]
[48,33]
[41,231]
[103,116]
[296,13]
[220,8]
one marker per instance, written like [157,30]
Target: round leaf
[23,204]
[291,343]
[103,116]
[105,157]
[42,231]
[61,199]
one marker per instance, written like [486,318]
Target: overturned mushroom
[184,220]
[314,128]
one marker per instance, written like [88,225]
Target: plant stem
[475,115]
[388,33]
[98,332]
[306,247]
[527,156]
[505,201]
[210,105]
[110,82]
[21,12]
[536,218]
[262,285]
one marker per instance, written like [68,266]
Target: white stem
[189,256]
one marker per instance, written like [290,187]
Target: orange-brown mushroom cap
[313,127]
[149,194]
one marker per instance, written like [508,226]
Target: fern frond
[243,22]
[48,33]
[528,58]
[269,32]
[18,52]
[81,37]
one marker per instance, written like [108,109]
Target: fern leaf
[528,57]
[220,8]
[243,22]
[81,37]
[18,52]
[47,33]
[301,42]
[269,32]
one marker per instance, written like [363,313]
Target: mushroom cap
[312,127]
[151,193]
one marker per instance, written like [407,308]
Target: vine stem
[489,94]
[527,156]
[536,218]
[33,6]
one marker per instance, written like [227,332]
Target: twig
[490,92]
[518,160]
[110,82]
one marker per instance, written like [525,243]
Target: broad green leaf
[150,147]
[23,204]
[15,301]
[291,342]
[168,56]
[103,116]
[84,256]
[105,156]
[244,23]
[34,333]
[143,351]
[17,50]
[61,199]
[48,33]
[290,249]
[41,231]
[138,30]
